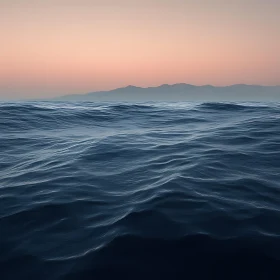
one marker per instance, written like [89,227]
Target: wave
[235,106]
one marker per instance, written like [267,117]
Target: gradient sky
[56,47]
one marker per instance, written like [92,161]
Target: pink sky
[57,47]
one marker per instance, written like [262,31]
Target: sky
[55,47]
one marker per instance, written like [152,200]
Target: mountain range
[182,92]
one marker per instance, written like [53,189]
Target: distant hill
[182,92]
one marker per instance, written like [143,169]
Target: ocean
[139,191]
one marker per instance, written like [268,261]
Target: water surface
[139,191]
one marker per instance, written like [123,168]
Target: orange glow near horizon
[60,47]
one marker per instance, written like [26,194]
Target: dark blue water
[146,191]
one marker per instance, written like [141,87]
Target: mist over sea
[139,191]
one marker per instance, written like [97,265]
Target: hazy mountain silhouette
[182,92]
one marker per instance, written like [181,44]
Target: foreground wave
[151,190]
